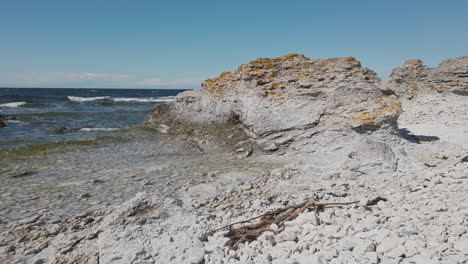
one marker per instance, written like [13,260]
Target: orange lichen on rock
[273,62]
[239,69]
[217,84]
[413,62]
[291,71]
[378,109]
[350,59]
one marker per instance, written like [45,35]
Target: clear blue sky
[158,44]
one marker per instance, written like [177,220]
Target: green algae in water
[54,147]
[11,154]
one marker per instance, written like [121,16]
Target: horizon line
[92,88]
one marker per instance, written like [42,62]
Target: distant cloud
[54,78]
[149,82]
[97,76]
[89,79]
[154,82]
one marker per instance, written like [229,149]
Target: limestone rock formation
[414,77]
[288,97]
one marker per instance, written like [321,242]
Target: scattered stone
[196,255]
[388,244]
[465,159]
[97,181]
[375,201]
[461,245]
[372,257]
[287,236]
[85,196]
[311,259]
[163,128]
[272,147]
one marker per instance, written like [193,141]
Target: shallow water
[87,113]
[94,168]
[59,183]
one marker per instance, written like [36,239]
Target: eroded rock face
[414,77]
[290,94]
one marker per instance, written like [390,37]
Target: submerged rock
[414,77]
[64,130]
[5,118]
[278,100]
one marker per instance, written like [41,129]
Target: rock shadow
[418,139]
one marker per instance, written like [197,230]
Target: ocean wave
[86,99]
[162,99]
[13,121]
[88,129]
[144,100]
[13,104]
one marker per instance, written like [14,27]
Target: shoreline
[400,181]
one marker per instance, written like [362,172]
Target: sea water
[41,114]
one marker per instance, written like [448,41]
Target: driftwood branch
[249,232]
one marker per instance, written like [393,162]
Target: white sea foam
[13,105]
[86,99]
[123,99]
[88,129]
[144,100]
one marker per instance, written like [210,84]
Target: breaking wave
[13,105]
[88,129]
[86,99]
[122,99]
[144,100]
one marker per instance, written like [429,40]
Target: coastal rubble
[344,137]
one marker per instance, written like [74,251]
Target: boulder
[414,77]
[371,156]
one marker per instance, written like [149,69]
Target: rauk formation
[414,77]
[400,151]
[290,96]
